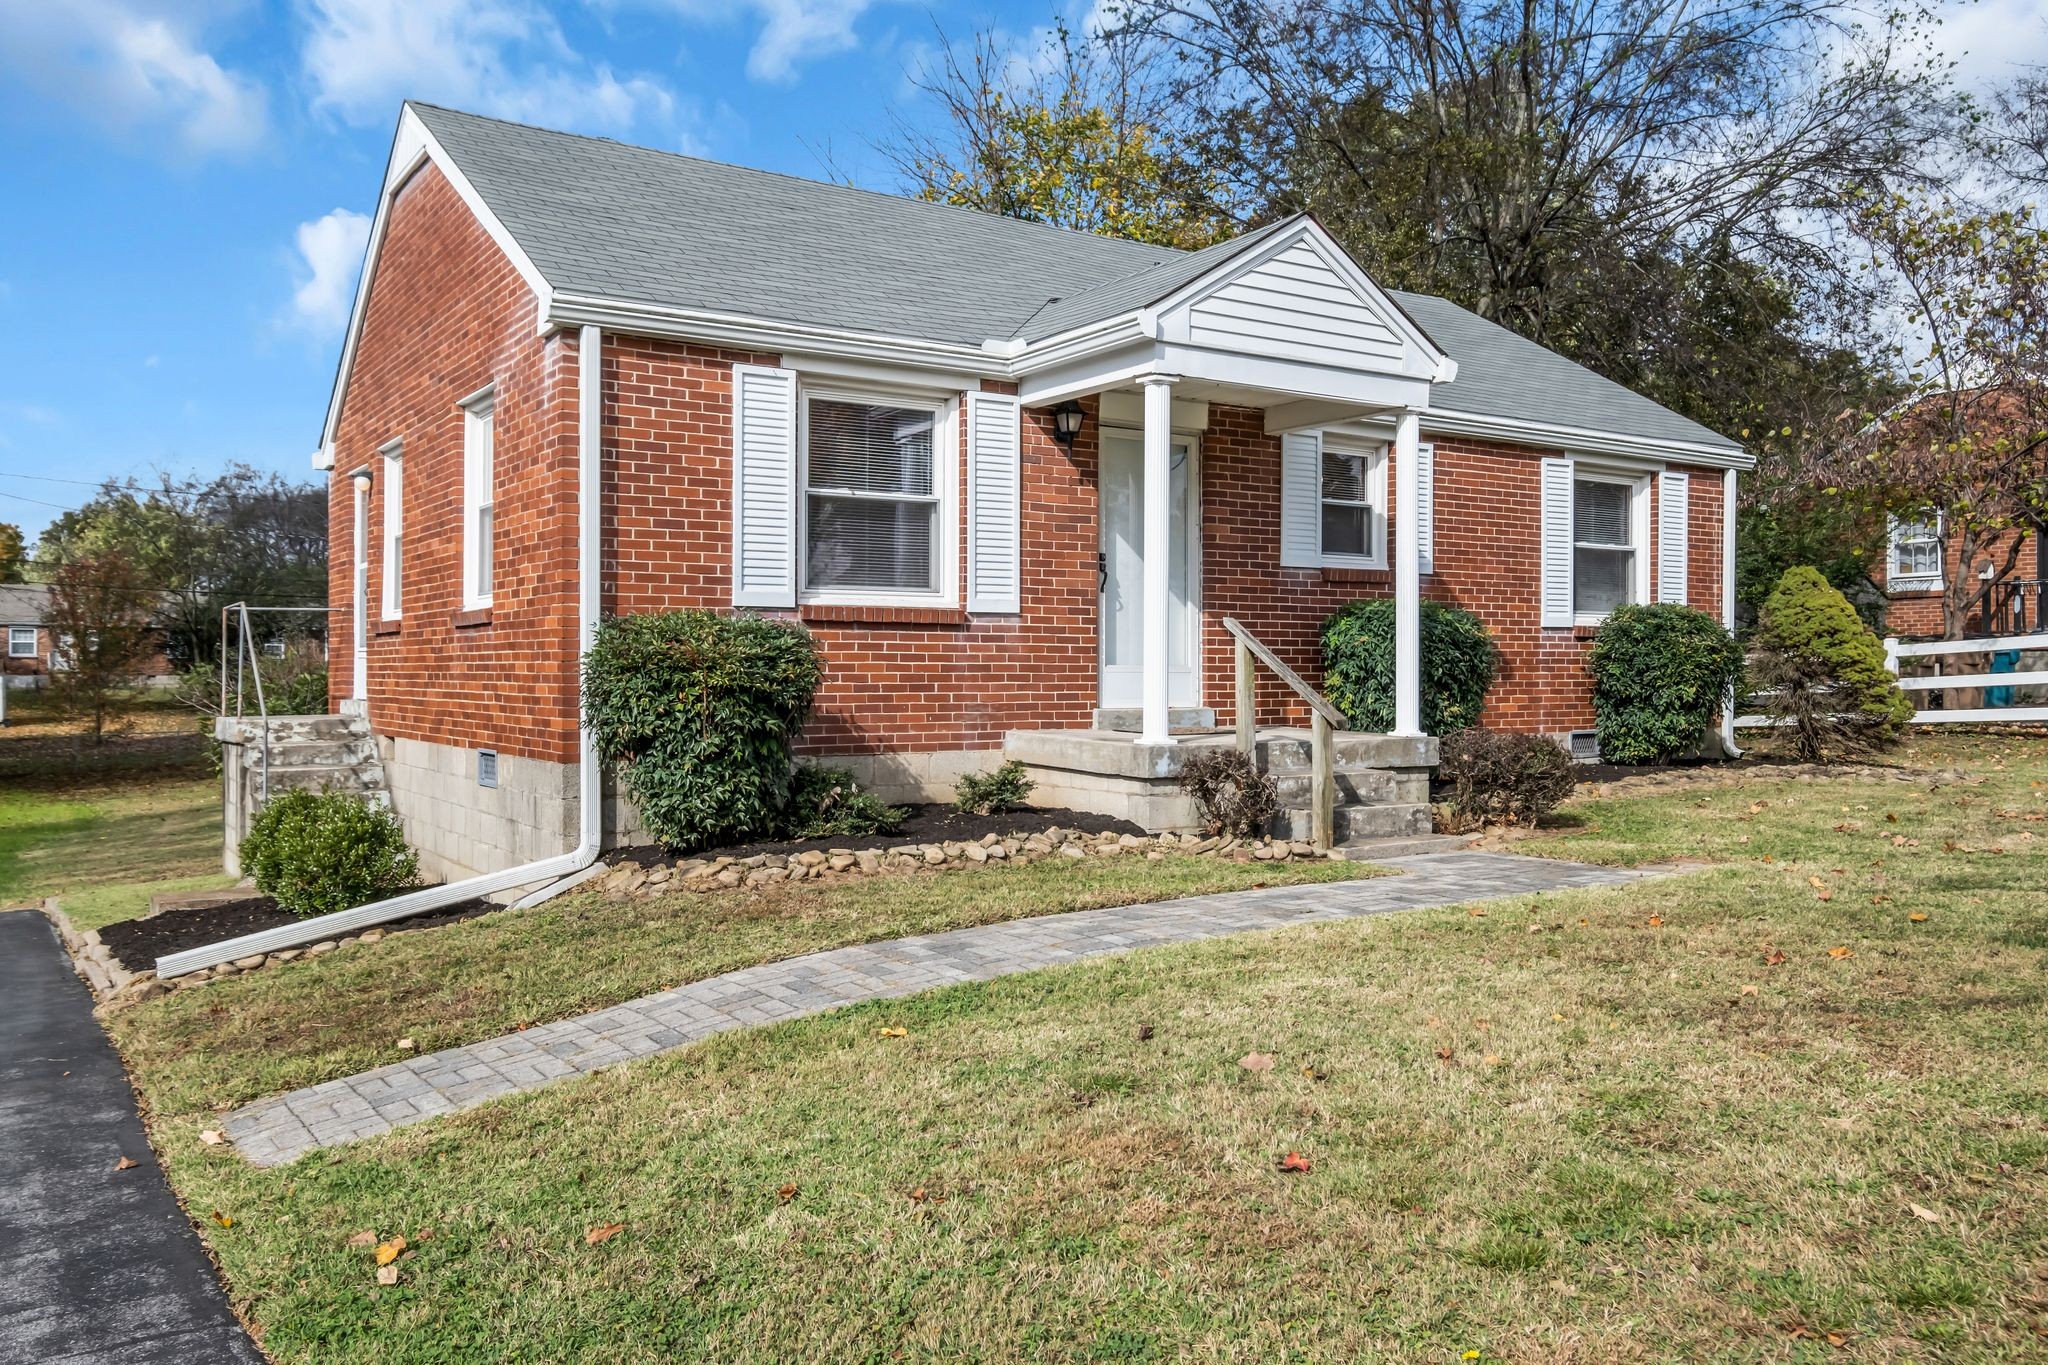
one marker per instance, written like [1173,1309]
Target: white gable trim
[412,147]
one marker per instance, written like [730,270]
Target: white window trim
[1638,483]
[14,633]
[1337,443]
[479,407]
[390,585]
[946,419]
[1916,582]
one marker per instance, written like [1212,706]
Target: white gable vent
[487,767]
[1585,745]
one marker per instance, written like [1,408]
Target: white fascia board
[1080,377]
[412,147]
[882,376]
[1582,440]
[1435,366]
[1312,414]
[1363,390]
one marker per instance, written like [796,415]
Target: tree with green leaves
[99,619]
[1817,669]
[13,554]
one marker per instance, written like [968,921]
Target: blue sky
[184,184]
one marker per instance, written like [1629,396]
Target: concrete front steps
[318,753]
[1381,811]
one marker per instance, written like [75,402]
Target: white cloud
[134,68]
[330,253]
[1992,41]
[503,57]
[792,31]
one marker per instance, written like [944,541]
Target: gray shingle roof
[23,604]
[612,221]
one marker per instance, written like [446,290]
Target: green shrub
[1459,662]
[1659,674]
[301,694]
[1233,796]
[697,712]
[990,792]
[1817,669]
[318,852]
[1497,775]
[825,803]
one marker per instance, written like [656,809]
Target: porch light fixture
[361,478]
[1066,423]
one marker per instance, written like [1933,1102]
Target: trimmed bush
[1233,796]
[991,792]
[1497,775]
[1459,662]
[1659,675]
[318,852]
[1818,670]
[697,712]
[826,803]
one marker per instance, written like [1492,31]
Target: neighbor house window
[394,528]
[479,498]
[1604,548]
[1916,553]
[21,642]
[1353,502]
[872,498]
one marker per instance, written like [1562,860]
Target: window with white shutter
[1333,502]
[1301,479]
[1674,521]
[871,499]
[1425,512]
[764,487]
[1557,543]
[995,469]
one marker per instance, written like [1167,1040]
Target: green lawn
[104,847]
[1757,1112]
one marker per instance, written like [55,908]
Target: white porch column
[359,618]
[1728,600]
[1158,500]
[1407,578]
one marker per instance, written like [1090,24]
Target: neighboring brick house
[29,647]
[937,438]
[1922,562]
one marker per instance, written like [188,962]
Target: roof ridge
[980,214]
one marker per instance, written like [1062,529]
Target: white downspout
[589,527]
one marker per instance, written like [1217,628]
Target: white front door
[1123,574]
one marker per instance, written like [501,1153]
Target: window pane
[1600,513]
[870,543]
[1600,580]
[21,641]
[872,449]
[485,519]
[1346,530]
[1343,477]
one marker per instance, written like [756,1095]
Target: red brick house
[584,378]
[26,662]
[1922,562]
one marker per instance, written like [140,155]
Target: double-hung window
[874,487]
[479,498]
[394,528]
[1604,546]
[1353,492]
[21,642]
[1916,555]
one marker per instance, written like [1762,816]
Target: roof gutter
[589,375]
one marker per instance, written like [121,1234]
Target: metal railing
[250,666]
[2006,606]
[1326,720]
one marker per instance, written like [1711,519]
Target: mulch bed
[138,943]
[930,824]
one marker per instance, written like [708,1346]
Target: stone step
[1402,846]
[1355,787]
[1350,823]
[1352,752]
[1179,719]
[352,779]
[311,753]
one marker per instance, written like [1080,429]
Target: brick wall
[1921,614]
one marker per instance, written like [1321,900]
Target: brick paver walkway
[285,1127]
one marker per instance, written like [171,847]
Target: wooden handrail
[1325,721]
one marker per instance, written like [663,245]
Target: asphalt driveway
[96,1264]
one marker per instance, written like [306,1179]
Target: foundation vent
[487,767]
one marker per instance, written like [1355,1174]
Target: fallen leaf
[1839,953]
[918,1196]
[387,1252]
[1815,882]
[365,1238]
[1443,1054]
[387,1274]
[1891,816]
[786,1193]
[223,1219]
[602,1233]
[1824,894]
[1256,1061]
[1656,921]
[1755,807]
[1490,1059]
[405,1044]
[212,1137]
[1749,989]
[1923,1213]
[1837,1339]
[423,1235]
[1144,1033]
[1315,1073]
[1475,912]
[1918,917]
[1773,957]
[1294,1163]
[1556,1018]
[893,1032]
[126,1164]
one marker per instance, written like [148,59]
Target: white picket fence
[1896,650]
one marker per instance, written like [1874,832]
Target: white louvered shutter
[1674,499]
[995,494]
[1301,509]
[764,487]
[1425,504]
[1557,543]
